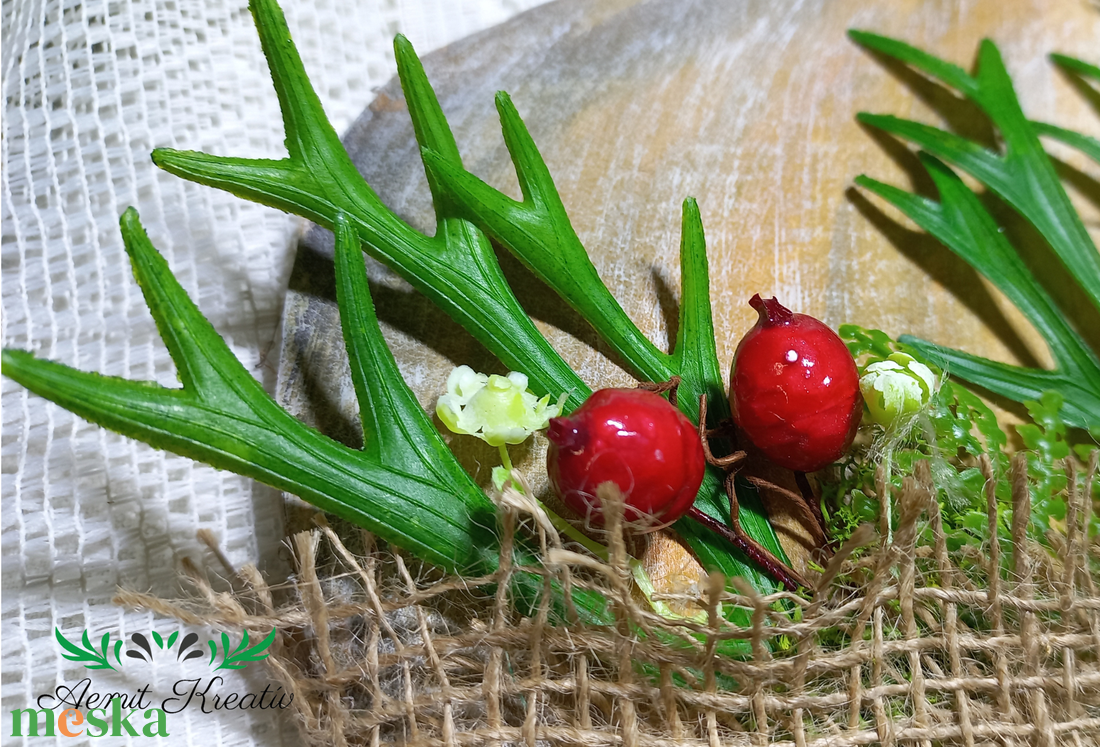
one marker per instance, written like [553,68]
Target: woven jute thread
[903,642]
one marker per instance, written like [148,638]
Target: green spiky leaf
[1024,176]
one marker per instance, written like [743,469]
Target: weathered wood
[747,105]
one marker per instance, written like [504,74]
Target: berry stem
[736,536]
[724,463]
[504,458]
[576,535]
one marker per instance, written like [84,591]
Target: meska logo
[73,709]
[70,722]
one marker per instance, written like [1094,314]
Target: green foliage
[1024,177]
[952,433]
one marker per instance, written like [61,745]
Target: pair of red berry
[794,391]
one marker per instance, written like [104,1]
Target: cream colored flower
[896,388]
[497,409]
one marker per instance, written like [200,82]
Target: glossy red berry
[794,389]
[635,439]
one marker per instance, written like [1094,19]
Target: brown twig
[724,428]
[810,499]
[669,386]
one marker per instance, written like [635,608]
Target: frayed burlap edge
[904,642]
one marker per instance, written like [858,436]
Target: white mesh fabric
[90,88]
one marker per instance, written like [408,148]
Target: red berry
[794,389]
[635,439]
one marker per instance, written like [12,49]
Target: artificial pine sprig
[457,269]
[961,222]
[1025,178]
[222,417]
[538,231]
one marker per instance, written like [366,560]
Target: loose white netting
[90,88]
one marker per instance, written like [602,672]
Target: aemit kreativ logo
[85,709]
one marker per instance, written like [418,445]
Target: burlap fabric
[903,643]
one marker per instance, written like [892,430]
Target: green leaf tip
[946,72]
[430,126]
[1087,144]
[1019,384]
[1075,65]
[866,38]
[456,268]
[13,361]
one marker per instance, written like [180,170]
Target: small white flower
[896,388]
[497,409]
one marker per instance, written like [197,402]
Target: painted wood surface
[748,106]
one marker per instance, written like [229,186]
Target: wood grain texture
[748,106]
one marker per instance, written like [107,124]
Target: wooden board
[747,105]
